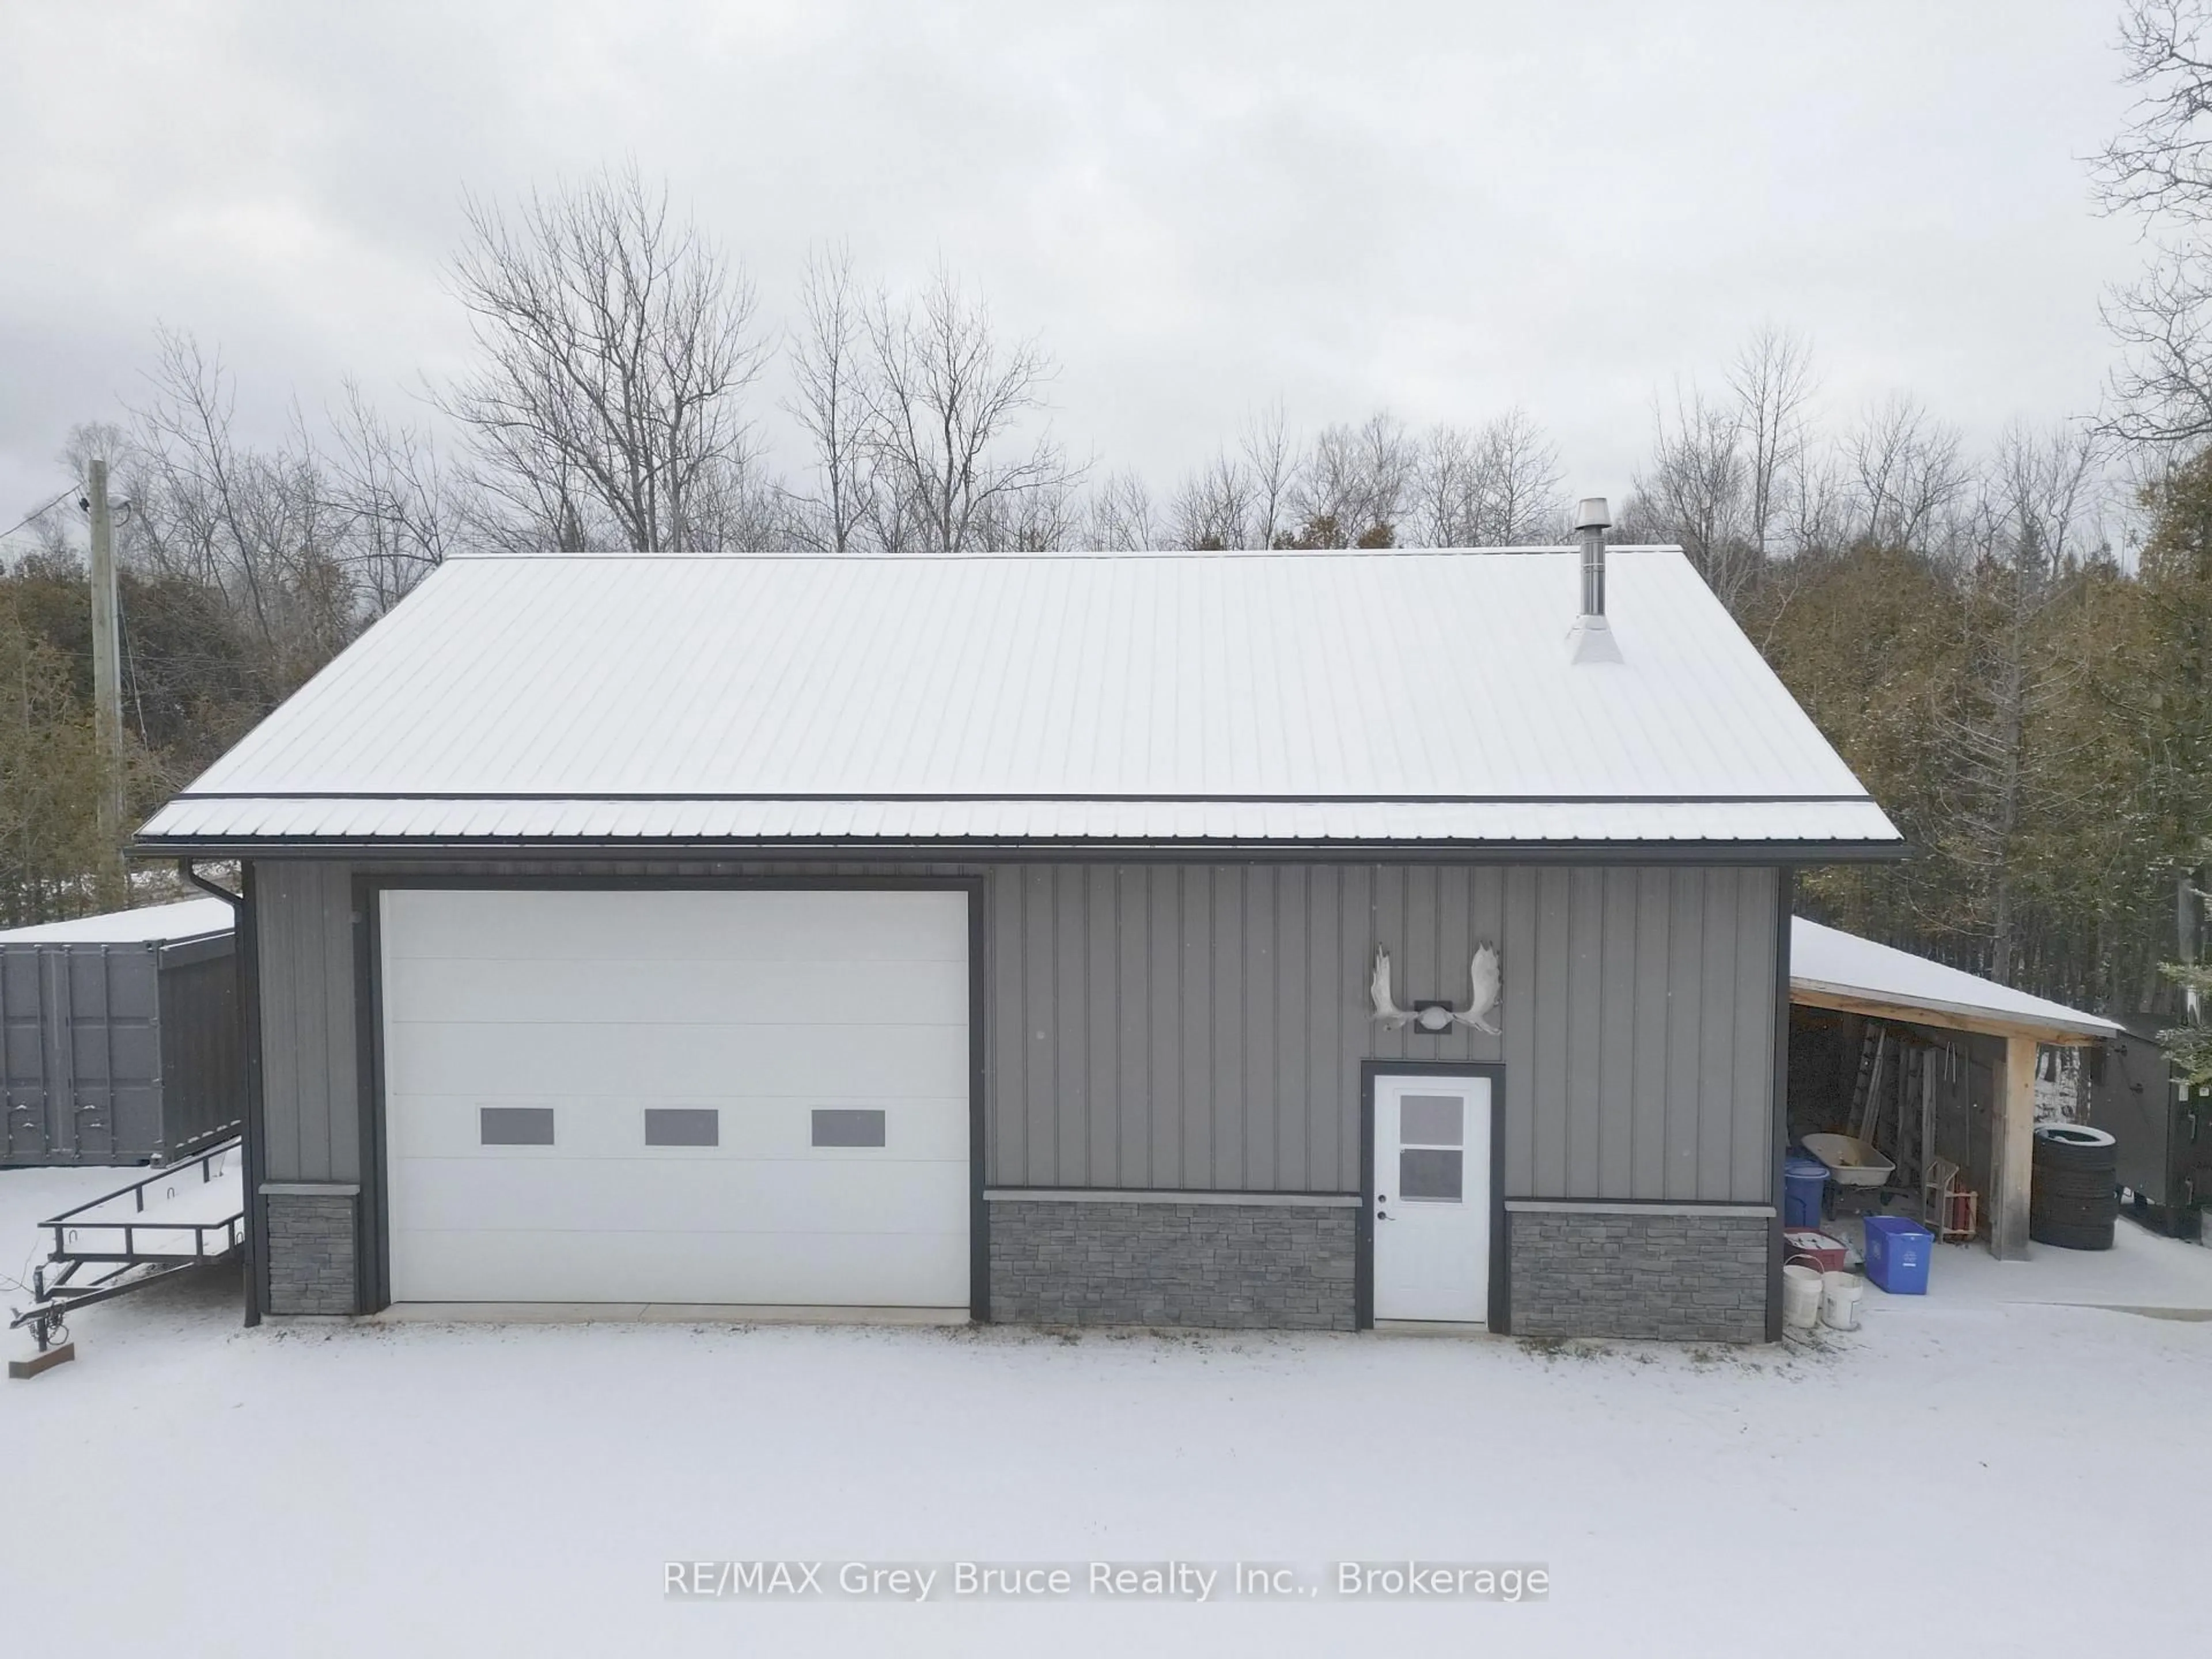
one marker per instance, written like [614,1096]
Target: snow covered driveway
[1993,1477]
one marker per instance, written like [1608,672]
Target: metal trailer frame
[115,1246]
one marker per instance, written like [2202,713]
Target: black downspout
[247,946]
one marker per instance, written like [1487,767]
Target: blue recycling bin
[1897,1254]
[1804,1179]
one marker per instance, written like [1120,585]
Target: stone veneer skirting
[311,1248]
[1245,1263]
[1617,1270]
[1239,1262]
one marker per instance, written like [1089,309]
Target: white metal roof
[149,924]
[1827,959]
[1364,696]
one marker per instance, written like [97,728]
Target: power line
[35,510]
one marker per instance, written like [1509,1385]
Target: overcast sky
[1443,208]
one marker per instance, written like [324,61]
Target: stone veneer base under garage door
[1236,1265]
[311,1248]
[1616,1270]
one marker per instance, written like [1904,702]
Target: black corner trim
[245,933]
[979,1211]
[372,1250]
[1785,904]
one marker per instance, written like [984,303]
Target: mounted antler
[1482,991]
[1378,990]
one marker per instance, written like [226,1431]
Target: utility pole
[109,879]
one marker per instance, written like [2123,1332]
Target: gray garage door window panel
[848,1126]
[682,1126]
[514,1126]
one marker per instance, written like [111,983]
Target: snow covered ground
[1988,1470]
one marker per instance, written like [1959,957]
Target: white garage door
[677,1095]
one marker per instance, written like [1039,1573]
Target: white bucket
[1801,1296]
[1839,1300]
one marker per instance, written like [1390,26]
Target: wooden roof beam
[1950,1019]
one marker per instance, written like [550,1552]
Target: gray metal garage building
[1249,939]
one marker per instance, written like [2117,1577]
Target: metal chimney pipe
[1592,519]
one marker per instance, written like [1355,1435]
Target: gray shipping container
[119,1036]
[2163,1126]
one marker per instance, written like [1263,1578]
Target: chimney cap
[1593,514]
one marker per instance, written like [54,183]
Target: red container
[1813,1249]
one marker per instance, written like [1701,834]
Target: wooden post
[2012,1156]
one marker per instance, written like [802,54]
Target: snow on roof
[151,924]
[1827,959]
[1363,695]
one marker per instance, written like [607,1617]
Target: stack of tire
[2075,1197]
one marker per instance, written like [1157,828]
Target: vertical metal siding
[1158,898]
[1618,1071]
[1584,1066]
[1101,1076]
[309,1061]
[1751,1150]
[1638,1018]
[1202,1026]
[1685,966]
[1545,1062]
[1648,1082]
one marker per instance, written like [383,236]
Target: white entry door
[669,1096]
[1432,1199]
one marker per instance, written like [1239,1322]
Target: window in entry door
[1431,1141]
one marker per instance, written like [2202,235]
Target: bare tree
[1446,489]
[1722,468]
[615,348]
[1272,461]
[2161,389]
[255,532]
[946,399]
[1518,471]
[1817,501]
[1906,471]
[400,513]
[1357,484]
[1046,518]
[1697,491]
[261,528]
[2161,165]
[1496,486]
[2160,168]
[1120,517]
[831,405]
[735,508]
[1218,507]
[1773,379]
